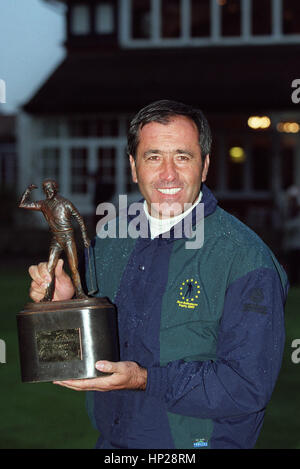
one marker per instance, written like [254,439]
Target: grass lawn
[34,415]
[47,416]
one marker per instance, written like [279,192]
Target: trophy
[60,340]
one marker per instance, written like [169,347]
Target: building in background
[236,59]
[8,153]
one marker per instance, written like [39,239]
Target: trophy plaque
[61,340]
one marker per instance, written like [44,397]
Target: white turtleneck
[162,225]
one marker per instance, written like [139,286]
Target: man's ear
[205,168]
[133,168]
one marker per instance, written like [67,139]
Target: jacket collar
[183,230]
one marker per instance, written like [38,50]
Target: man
[58,212]
[201,331]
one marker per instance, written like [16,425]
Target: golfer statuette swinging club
[63,339]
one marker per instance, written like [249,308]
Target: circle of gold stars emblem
[189,290]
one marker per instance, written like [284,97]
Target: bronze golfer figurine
[63,339]
[59,212]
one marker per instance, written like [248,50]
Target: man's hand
[125,375]
[32,186]
[64,289]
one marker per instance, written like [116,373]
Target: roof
[218,79]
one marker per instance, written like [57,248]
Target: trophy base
[61,340]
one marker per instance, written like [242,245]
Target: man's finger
[59,268]
[38,287]
[108,367]
[91,384]
[36,296]
[69,385]
[35,274]
[43,271]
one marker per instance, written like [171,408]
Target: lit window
[237,154]
[80,19]
[259,122]
[235,172]
[288,127]
[105,23]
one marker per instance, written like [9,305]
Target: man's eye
[153,157]
[183,157]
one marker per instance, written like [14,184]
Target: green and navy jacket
[207,323]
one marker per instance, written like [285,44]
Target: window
[80,19]
[261,17]
[231,17]
[200,18]
[50,128]
[93,127]
[106,165]
[235,165]
[287,169]
[8,168]
[79,171]
[105,22]
[261,163]
[79,128]
[141,19]
[291,14]
[171,24]
[50,163]
[106,127]
[105,176]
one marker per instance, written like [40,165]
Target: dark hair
[52,182]
[161,112]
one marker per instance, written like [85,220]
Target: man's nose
[168,171]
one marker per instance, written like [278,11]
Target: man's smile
[170,191]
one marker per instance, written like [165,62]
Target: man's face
[49,190]
[168,168]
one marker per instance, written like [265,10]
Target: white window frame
[215,38]
[64,142]
[80,28]
[104,19]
